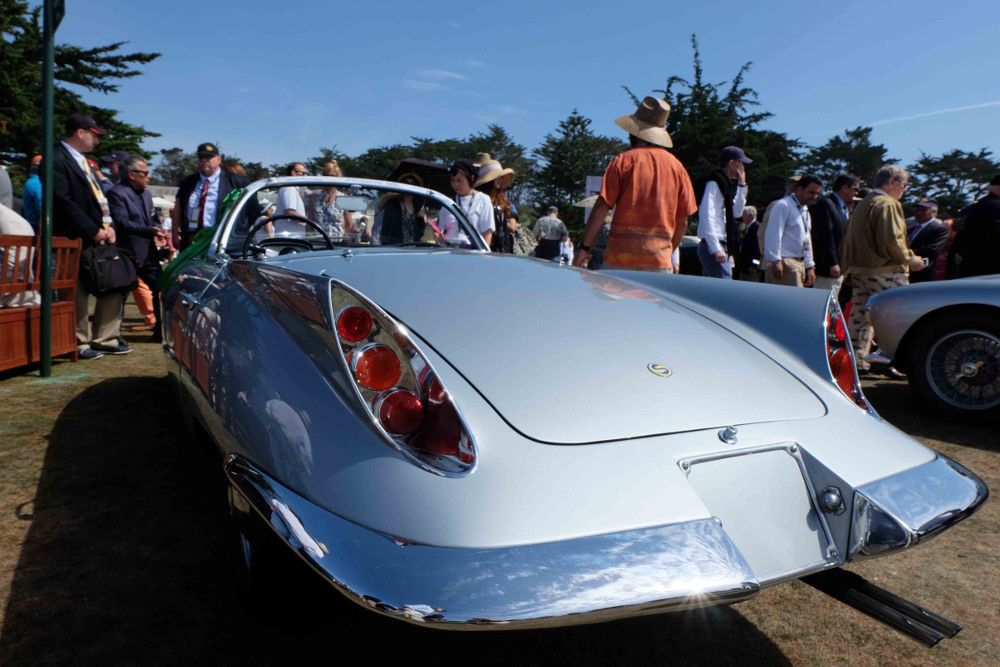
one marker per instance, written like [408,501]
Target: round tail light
[376,367]
[399,411]
[354,324]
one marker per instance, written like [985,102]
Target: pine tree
[567,158]
[92,69]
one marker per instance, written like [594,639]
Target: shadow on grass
[126,563]
[898,405]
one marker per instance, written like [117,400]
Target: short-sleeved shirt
[549,228]
[649,190]
[477,208]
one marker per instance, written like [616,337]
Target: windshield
[300,215]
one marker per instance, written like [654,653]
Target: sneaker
[89,354]
[117,349]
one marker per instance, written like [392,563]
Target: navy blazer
[135,224]
[928,243]
[828,227]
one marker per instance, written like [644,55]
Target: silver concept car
[946,337]
[468,440]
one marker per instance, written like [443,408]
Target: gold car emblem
[659,369]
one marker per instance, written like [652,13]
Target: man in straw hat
[720,207]
[651,195]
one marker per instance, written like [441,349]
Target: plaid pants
[861,323]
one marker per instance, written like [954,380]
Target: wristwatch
[585,248]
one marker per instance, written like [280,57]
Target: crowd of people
[851,242]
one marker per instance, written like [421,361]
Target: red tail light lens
[413,411]
[840,356]
[376,367]
[842,367]
[354,324]
[399,411]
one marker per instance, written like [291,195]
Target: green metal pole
[48,150]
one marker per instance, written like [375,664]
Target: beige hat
[648,122]
[490,170]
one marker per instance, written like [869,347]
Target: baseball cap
[207,150]
[117,156]
[734,153]
[927,202]
[79,121]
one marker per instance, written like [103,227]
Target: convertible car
[467,440]
[946,337]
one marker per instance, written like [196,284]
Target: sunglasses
[139,171]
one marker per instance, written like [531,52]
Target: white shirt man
[713,252]
[787,241]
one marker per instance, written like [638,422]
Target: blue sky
[274,81]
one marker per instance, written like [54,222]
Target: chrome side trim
[913,506]
[583,580]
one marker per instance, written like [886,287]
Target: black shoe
[117,349]
[895,374]
[89,354]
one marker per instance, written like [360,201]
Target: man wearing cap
[650,192]
[114,162]
[976,249]
[787,243]
[79,210]
[875,252]
[720,207]
[549,231]
[926,238]
[31,194]
[829,222]
[201,194]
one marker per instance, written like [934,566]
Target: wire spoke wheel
[963,369]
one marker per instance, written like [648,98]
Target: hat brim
[645,131]
[507,175]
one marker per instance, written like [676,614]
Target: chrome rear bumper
[584,580]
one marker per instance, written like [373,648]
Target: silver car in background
[946,337]
[475,441]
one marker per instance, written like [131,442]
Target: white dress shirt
[712,215]
[211,201]
[787,232]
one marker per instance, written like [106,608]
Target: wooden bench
[20,322]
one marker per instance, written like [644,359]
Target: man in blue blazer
[829,221]
[927,238]
[136,227]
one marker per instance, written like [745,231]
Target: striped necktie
[98,194]
[201,205]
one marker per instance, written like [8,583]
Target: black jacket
[132,213]
[978,244]
[928,243]
[227,183]
[76,213]
[828,227]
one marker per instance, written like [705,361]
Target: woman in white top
[476,205]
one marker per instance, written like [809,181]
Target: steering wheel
[247,245]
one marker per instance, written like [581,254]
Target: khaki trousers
[105,327]
[829,284]
[794,275]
